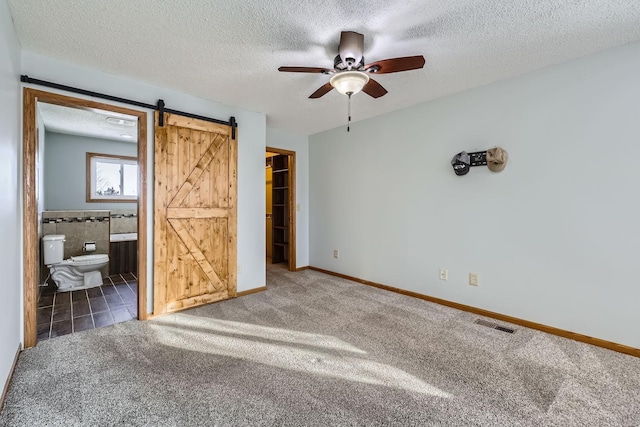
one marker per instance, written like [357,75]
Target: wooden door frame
[30,209]
[292,202]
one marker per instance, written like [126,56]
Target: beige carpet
[317,350]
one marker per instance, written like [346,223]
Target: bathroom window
[111,178]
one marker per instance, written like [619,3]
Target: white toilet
[77,272]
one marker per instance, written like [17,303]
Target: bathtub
[123,237]
[123,253]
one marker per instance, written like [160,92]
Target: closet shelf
[281,205]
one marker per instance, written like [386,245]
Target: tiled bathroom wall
[124,221]
[78,227]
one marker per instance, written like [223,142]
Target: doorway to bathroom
[85,179]
[281,207]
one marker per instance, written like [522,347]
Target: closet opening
[280,208]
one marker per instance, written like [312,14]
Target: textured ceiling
[87,122]
[229,50]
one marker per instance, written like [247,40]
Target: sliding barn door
[195,213]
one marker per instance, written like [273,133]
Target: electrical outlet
[444,274]
[239,269]
[298,207]
[336,253]
[473,279]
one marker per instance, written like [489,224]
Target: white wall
[251,149]
[65,166]
[554,237]
[277,138]
[10,196]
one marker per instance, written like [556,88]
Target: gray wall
[65,170]
[553,237]
[10,201]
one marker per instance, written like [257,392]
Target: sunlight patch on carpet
[264,332]
[212,336]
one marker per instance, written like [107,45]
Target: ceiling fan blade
[395,65]
[374,89]
[304,70]
[323,90]
[351,47]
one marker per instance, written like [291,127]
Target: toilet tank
[53,248]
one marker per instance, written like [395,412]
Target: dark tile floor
[61,313]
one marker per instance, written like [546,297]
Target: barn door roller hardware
[234,125]
[159,107]
[160,113]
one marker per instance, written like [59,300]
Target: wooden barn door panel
[195,213]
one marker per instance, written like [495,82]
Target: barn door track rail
[160,106]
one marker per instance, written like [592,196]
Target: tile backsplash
[124,221]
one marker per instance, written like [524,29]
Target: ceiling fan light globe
[349,82]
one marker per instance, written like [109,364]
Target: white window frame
[92,159]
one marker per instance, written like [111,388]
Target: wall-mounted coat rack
[478,158]
[495,159]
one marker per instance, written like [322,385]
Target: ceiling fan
[350,75]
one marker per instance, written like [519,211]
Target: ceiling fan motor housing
[338,64]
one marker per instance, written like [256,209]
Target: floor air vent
[494,326]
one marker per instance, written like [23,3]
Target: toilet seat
[86,259]
[89,259]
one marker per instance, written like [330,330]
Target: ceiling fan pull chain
[349,112]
